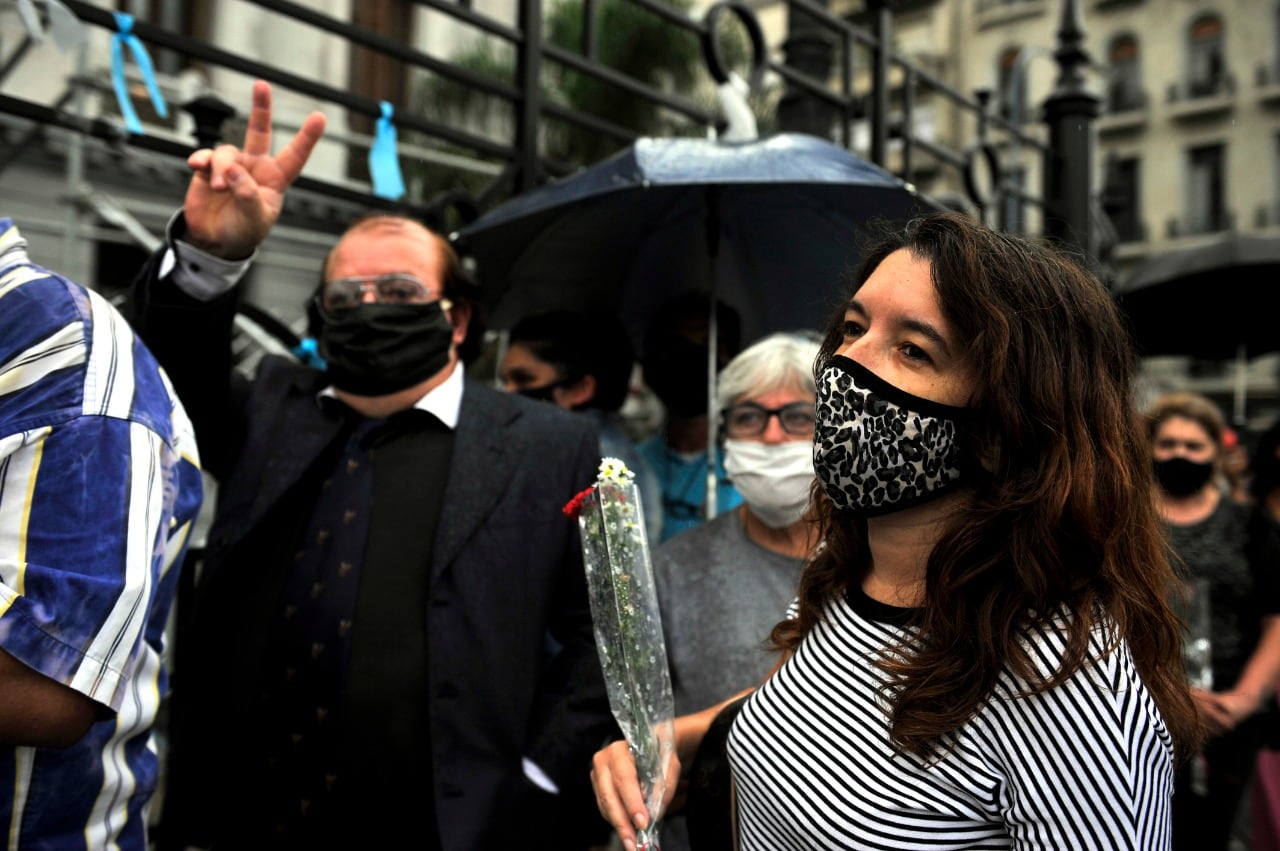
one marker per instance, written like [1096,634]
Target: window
[1012,86]
[1206,189]
[1124,199]
[1206,59]
[1124,88]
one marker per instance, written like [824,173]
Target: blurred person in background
[1223,550]
[1264,491]
[1235,466]
[724,584]
[1264,472]
[583,362]
[674,361]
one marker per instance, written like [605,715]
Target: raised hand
[236,194]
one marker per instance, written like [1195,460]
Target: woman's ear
[578,393]
[988,457]
[985,446]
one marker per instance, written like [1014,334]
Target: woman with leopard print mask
[983,652]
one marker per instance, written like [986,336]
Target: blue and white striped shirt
[99,489]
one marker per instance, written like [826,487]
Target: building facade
[1188,136]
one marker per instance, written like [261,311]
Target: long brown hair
[1065,520]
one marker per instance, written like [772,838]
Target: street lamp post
[1070,112]
[809,49]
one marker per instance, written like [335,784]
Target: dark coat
[507,575]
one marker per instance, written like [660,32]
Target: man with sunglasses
[391,642]
[723,585]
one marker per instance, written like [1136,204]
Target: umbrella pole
[713,349]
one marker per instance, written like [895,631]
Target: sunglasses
[396,288]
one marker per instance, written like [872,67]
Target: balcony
[1202,98]
[1267,79]
[1129,230]
[1267,215]
[997,12]
[1200,223]
[1129,253]
[1126,109]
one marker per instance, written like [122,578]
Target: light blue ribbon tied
[308,351]
[384,160]
[68,31]
[124,36]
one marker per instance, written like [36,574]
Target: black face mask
[545,393]
[378,349]
[1181,476]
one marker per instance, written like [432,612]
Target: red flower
[573,507]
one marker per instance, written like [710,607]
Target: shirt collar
[443,401]
[13,248]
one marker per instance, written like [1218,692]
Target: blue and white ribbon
[124,36]
[68,31]
[384,160]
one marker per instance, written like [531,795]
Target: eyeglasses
[750,420]
[396,288]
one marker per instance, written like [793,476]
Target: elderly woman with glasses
[723,585]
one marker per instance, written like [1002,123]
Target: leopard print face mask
[878,449]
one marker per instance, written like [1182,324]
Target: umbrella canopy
[1206,301]
[1210,301]
[769,226]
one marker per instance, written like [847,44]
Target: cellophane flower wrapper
[628,628]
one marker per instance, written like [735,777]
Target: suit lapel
[298,435]
[480,469]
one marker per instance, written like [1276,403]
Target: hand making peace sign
[236,194]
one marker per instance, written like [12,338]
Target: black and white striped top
[1086,765]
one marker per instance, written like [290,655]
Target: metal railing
[870,90]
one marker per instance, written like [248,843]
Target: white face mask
[773,478]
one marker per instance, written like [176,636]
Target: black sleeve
[192,341]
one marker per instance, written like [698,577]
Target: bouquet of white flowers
[628,627]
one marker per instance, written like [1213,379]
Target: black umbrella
[1210,301]
[1206,300]
[768,226]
